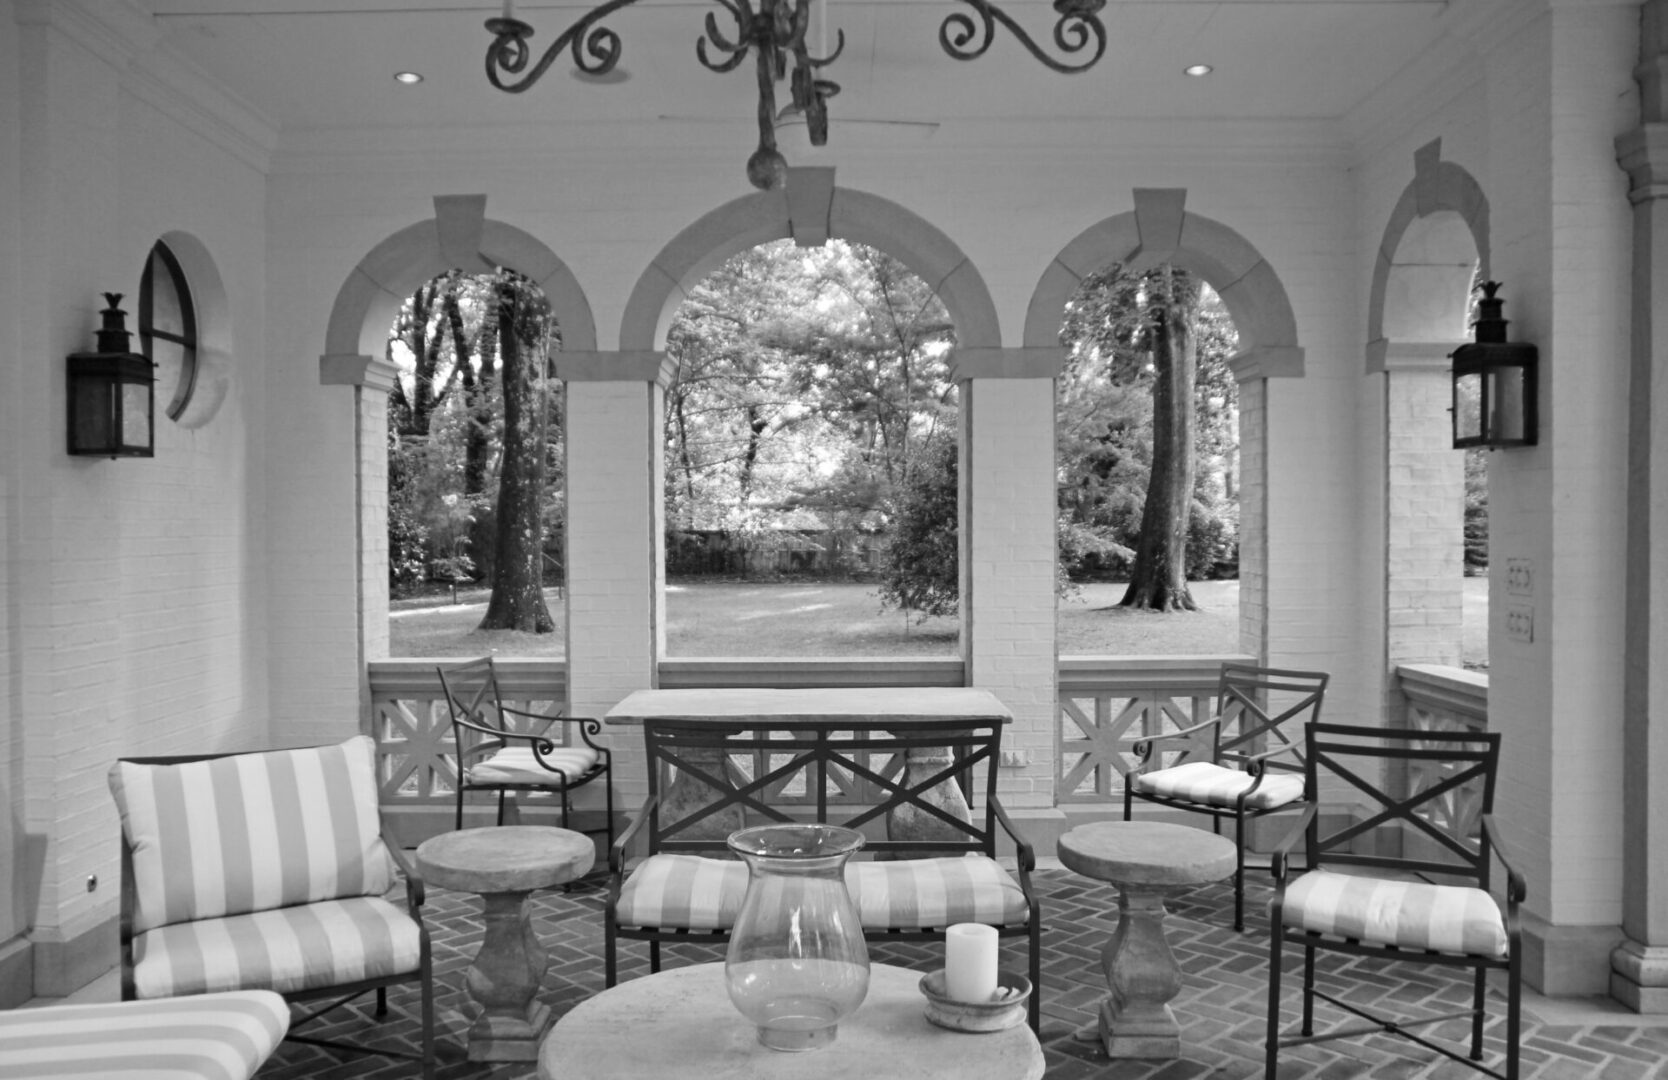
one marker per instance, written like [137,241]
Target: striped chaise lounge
[203,1037]
[266,871]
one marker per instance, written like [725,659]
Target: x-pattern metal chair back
[840,754]
[1241,705]
[1455,762]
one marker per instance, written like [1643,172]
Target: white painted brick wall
[1425,514]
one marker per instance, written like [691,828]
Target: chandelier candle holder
[797,963]
[775,32]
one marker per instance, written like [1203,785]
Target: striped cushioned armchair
[266,871]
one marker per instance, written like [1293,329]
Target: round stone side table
[1146,860]
[503,865]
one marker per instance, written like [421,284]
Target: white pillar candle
[970,962]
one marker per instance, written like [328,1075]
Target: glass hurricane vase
[797,962]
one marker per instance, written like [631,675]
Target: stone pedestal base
[1136,1021]
[504,979]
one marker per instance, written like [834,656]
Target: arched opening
[1433,252]
[1147,437]
[810,459]
[476,485]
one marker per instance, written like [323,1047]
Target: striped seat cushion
[205,1037]
[284,949]
[695,893]
[1406,914]
[518,765]
[1214,785]
[249,832]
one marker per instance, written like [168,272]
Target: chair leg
[458,823]
[608,798]
[1035,1009]
[381,1002]
[1308,990]
[428,1020]
[501,794]
[1239,873]
[610,943]
[1271,1056]
[1480,987]
[1514,1002]
[654,957]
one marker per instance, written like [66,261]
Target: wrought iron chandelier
[775,31]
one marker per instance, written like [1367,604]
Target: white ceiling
[312,65]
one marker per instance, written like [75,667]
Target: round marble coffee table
[1146,860]
[680,1023]
[503,865]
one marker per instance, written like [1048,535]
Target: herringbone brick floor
[1222,1006]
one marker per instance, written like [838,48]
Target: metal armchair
[1412,808]
[1243,763]
[506,749]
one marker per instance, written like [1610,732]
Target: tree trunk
[1158,580]
[517,580]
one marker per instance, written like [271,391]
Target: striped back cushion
[249,832]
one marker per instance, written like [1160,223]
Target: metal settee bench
[913,769]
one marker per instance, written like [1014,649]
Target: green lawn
[842,619]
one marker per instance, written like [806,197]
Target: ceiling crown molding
[114,30]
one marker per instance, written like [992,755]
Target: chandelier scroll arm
[596,49]
[1079,25]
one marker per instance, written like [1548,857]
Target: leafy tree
[923,569]
[805,382]
[1131,421]
[473,467]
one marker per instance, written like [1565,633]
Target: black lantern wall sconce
[111,394]
[1495,383]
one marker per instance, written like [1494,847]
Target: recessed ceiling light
[1198,70]
[409,78]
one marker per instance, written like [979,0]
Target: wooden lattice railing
[1108,703]
[1440,698]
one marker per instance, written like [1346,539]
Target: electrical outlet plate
[1520,622]
[1520,577]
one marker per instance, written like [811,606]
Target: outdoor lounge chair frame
[334,996]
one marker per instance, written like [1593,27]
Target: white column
[616,629]
[1639,966]
[1008,552]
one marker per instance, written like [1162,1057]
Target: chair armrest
[1022,847]
[1257,764]
[1145,744]
[1517,888]
[413,883]
[617,853]
[1282,850]
[1183,733]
